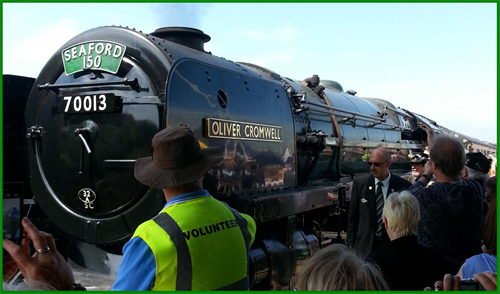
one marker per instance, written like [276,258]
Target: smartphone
[13,194]
[470,285]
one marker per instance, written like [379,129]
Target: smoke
[180,14]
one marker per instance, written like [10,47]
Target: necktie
[379,196]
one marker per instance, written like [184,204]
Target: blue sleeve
[467,272]
[138,267]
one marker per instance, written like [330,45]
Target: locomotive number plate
[86,103]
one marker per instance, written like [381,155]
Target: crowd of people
[400,236]
[444,223]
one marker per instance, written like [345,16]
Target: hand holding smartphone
[470,285]
[13,193]
[12,216]
[12,204]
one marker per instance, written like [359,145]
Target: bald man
[452,207]
[365,228]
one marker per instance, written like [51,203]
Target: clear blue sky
[439,60]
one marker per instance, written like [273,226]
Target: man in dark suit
[365,228]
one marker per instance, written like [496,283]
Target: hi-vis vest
[199,245]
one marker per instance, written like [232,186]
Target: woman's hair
[337,268]
[491,184]
[403,213]
[489,233]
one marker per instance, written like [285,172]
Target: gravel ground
[92,280]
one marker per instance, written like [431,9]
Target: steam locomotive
[291,147]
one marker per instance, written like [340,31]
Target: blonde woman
[406,265]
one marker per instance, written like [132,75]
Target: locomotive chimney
[189,37]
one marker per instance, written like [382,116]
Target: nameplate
[237,130]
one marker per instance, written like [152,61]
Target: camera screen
[470,285]
[12,197]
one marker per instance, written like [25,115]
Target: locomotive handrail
[375,120]
[392,126]
[398,111]
[367,119]
[374,123]
[348,116]
[125,81]
[344,110]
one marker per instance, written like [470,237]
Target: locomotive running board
[279,204]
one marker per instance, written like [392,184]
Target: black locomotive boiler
[291,147]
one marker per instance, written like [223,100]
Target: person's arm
[460,271]
[251,226]
[430,135]
[427,174]
[419,186]
[353,218]
[138,267]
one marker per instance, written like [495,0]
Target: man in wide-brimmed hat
[476,167]
[196,242]
[418,162]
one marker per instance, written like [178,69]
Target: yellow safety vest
[200,245]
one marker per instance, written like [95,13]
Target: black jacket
[408,266]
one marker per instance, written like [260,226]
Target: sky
[435,59]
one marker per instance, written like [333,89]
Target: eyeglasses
[377,164]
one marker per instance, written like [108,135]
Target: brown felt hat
[176,159]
